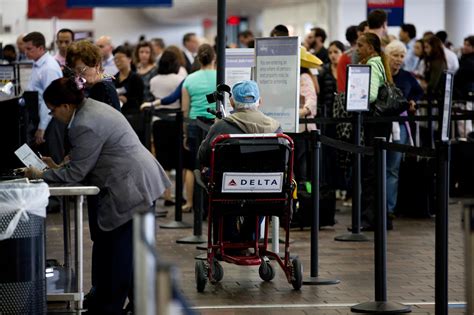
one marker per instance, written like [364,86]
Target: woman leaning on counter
[105,152]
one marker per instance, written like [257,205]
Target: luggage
[303,208]
[416,188]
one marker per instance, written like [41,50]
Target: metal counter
[71,287]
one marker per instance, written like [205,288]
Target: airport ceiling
[192,11]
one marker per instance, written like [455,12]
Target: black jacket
[327,87]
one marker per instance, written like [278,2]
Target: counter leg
[79,249]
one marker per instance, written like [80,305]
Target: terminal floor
[410,269]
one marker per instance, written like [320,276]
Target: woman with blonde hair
[401,133]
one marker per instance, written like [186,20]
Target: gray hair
[239,105]
[395,46]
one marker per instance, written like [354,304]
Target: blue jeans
[393,169]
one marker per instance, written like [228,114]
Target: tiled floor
[410,270]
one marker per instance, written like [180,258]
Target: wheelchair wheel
[297,274]
[266,271]
[217,271]
[200,270]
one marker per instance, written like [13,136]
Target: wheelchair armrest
[198,178]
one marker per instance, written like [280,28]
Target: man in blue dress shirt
[49,135]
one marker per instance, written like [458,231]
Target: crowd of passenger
[88,90]
[132,77]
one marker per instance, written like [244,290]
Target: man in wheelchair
[246,118]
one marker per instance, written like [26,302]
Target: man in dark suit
[190,48]
[105,152]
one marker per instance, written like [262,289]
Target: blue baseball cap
[246,92]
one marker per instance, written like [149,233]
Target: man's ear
[232,103]
[260,102]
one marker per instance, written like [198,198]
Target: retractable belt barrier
[442,154]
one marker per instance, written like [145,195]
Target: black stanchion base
[320,281]
[176,225]
[381,308]
[161,213]
[352,237]
[194,239]
[201,257]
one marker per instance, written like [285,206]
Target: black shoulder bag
[390,100]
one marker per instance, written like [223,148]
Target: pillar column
[458,20]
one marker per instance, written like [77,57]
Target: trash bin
[22,240]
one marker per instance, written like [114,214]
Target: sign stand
[357,100]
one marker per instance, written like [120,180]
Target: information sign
[278,77]
[239,63]
[358,88]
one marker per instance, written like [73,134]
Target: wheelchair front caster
[296,274]
[200,270]
[217,271]
[266,271]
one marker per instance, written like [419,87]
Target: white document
[29,158]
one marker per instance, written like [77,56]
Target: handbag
[390,100]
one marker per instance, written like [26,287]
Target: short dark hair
[376,19]
[410,29]
[63,91]
[469,39]
[122,49]
[339,45]
[168,63]
[187,37]
[442,35]
[36,38]
[351,34]
[66,30]
[319,32]
[9,47]
[362,25]
[279,30]
[246,33]
[159,42]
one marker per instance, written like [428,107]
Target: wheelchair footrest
[242,260]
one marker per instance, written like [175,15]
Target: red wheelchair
[250,177]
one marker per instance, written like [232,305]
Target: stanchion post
[380,305]
[316,155]
[179,170]
[380,233]
[441,254]
[178,212]
[356,235]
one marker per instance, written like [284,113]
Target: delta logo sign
[252,182]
